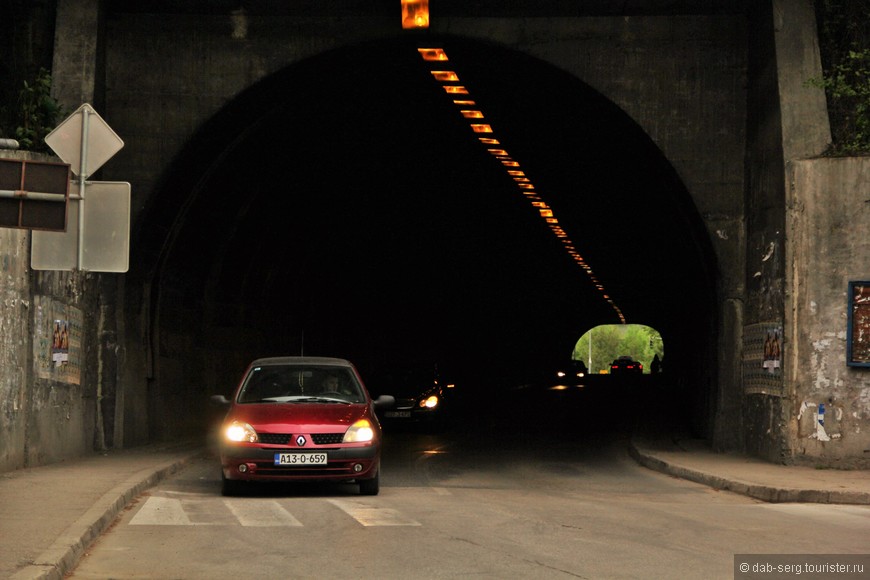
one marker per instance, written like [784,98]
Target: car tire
[370,486]
[230,488]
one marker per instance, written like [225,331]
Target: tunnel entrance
[344,207]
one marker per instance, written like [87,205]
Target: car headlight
[430,402]
[359,432]
[238,431]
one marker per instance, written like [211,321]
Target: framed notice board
[858,328]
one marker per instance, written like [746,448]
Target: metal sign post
[86,142]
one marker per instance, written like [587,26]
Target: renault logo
[300,441]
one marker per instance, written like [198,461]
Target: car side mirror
[219,401]
[385,401]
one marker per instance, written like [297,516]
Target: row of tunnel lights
[468,109]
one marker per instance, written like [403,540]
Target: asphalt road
[491,498]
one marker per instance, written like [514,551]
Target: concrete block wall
[47,402]
[828,220]
[15,314]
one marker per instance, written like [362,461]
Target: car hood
[305,417]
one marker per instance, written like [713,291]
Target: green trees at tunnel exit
[599,346]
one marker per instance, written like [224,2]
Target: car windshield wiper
[315,399]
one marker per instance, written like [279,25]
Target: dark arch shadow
[342,206]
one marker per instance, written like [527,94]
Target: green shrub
[847,86]
[38,113]
[844,43]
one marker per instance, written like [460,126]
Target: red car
[301,419]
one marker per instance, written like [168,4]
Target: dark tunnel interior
[344,207]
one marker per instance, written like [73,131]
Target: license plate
[392,414]
[300,459]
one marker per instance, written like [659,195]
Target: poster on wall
[57,340]
[762,358]
[60,343]
[858,325]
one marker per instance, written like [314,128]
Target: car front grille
[287,438]
[327,438]
[332,469]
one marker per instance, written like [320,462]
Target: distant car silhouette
[625,365]
[422,395]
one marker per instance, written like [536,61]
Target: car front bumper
[251,463]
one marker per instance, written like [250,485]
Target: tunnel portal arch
[342,206]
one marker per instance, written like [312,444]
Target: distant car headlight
[359,432]
[560,374]
[238,432]
[430,402]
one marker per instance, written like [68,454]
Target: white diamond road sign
[100,144]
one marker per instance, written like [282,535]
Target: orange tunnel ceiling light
[432,54]
[445,76]
[415,14]
[512,167]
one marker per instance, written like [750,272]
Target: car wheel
[370,486]
[231,487]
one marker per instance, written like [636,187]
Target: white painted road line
[255,513]
[368,515]
[161,511]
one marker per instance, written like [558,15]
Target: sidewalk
[693,460]
[50,515]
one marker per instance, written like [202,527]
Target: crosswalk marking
[369,515]
[253,512]
[161,511]
[261,513]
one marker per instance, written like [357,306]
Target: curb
[754,490]
[65,553]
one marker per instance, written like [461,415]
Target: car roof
[302,360]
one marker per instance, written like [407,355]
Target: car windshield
[297,383]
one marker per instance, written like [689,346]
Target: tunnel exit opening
[600,347]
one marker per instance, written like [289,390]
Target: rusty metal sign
[858,335]
[33,194]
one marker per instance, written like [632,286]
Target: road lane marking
[256,513]
[369,515]
[161,511]
[253,512]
